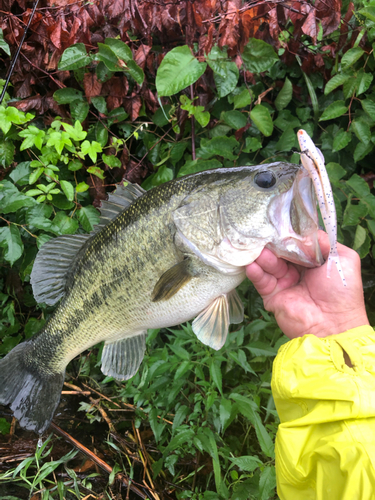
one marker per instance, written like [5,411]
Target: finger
[264,282]
[324,243]
[272,264]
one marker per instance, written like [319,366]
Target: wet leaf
[258,56]
[262,119]
[74,57]
[285,95]
[351,56]
[11,243]
[178,70]
[334,110]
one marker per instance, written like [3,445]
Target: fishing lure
[313,161]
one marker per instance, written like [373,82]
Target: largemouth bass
[157,259]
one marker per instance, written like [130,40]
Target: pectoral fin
[211,326]
[236,309]
[121,359]
[173,280]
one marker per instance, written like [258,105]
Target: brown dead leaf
[92,85]
[96,190]
[133,106]
[309,26]
[135,172]
[141,55]
[116,88]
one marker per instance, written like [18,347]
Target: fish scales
[176,252]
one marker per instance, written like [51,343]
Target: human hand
[305,300]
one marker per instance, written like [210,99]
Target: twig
[192,126]
[103,465]
[13,63]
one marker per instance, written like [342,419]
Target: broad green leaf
[111,160]
[68,189]
[369,107]
[285,95]
[96,171]
[88,217]
[371,226]
[31,135]
[221,146]
[103,73]
[34,176]
[125,59]
[259,56]
[180,352]
[62,224]
[267,482]
[335,172]
[90,148]
[108,57]
[351,56]
[362,150]
[353,214]
[334,110]
[335,82]
[252,144]
[82,187]
[3,43]
[225,71]
[368,12]
[164,174]
[359,185]
[20,175]
[100,104]
[246,463]
[341,140]
[262,119]
[364,81]
[74,57]
[361,130]
[235,119]
[243,99]
[7,150]
[285,120]
[359,237]
[76,133]
[68,95]
[194,166]
[11,199]
[59,140]
[350,87]
[79,110]
[11,243]
[178,70]
[287,141]
[101,133]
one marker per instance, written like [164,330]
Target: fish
[156,259]
[313,161]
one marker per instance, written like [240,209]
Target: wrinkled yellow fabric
[325,445]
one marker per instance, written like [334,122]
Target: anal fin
[173,280]
[121,359]
[212,324]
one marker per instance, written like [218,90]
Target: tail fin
[31,390]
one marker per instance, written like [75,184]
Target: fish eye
[265,179]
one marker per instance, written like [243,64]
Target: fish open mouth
[295,217]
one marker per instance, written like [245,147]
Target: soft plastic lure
[313,161]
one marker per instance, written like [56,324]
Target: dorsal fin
[51,265]
[120,199]
[55,258]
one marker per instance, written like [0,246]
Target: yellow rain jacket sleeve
[325,445]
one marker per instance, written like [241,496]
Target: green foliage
[217,412]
